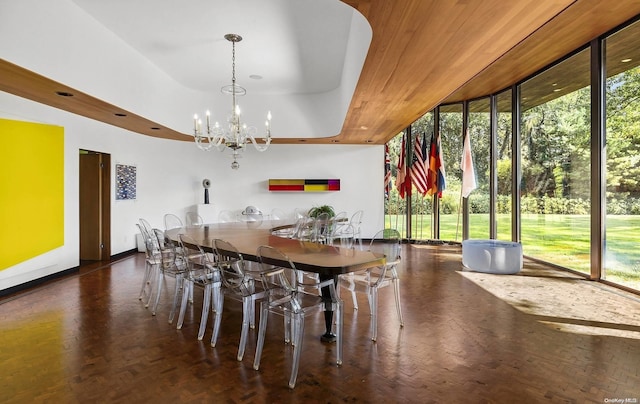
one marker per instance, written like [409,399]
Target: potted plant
[318,210]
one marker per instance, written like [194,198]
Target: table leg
[328,336]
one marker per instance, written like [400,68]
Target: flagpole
[459,209]
[396,223]
[433,217]
[421,216]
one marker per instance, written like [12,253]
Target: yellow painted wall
[31,190]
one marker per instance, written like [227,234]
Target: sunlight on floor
[564,301]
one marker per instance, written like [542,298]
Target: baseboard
[38,282]
[71,271]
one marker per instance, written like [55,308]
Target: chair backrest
[193,219]
[146,226]
[278,272]
[226,216]
[356,220]
[340,217]
[225,250]
[151,246]
[321,228]
[197,262]
[388,242]
[168,251]
[344,236]
[278,214]
[172,221]
[337,221]
[301,229]
[231,265]
[299,213]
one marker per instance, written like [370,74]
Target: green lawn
[560,239]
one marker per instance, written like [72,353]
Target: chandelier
[235,135]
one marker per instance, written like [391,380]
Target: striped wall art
[308,185]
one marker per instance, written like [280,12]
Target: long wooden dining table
[326,260]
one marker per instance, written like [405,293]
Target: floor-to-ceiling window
[480,138]
[421,204]
[554,149]
[504,165]
[555,153]
[622,255]
[451,141]
[394,206]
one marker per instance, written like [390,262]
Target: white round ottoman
[492,256]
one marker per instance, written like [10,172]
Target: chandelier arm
[258,146]
[200,138]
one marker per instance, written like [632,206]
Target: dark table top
[307,256]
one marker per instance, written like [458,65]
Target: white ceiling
[288,46]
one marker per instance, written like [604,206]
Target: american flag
[417,171]
[401,175]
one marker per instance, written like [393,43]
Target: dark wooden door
[94,206]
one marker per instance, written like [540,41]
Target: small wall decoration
[206,183]
[308,185]
[125,182]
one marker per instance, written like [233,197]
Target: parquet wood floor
[540,336]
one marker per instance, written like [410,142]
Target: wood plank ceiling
[423,53]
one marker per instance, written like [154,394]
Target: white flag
[468,173]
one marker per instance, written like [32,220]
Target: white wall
[59,40]
[169,176]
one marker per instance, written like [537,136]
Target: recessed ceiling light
[557,89]
[64,94]
[364,127]
[255,77]
[554,84]
[627,60]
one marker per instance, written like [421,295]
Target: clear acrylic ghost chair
[344,237]
[172,265]
[336,222]
[239,284]
[356,221]
[284,227]
[226,216]
[193,219]
[151,235]
[172,221]
[321,228]
[201,273]
[285,299]
[369,281]
[299,213]
[277,214]
[152,262]
[302,230]
[146,225]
